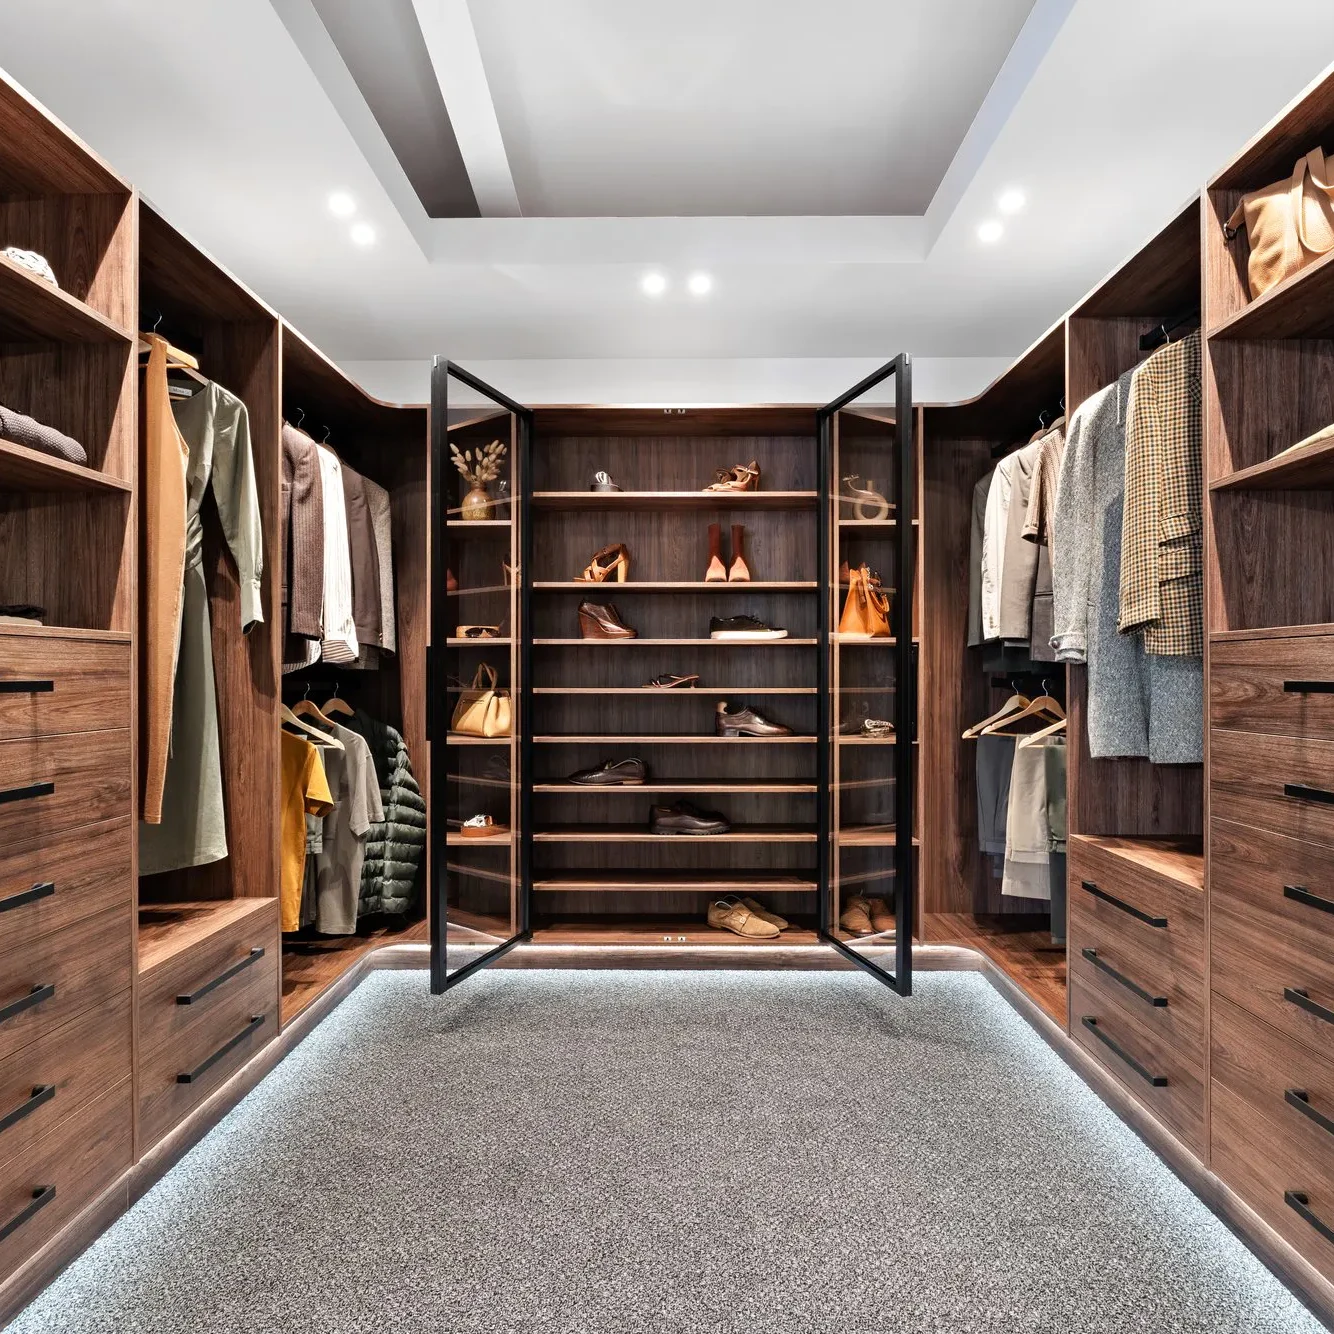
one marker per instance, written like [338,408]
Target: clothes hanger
[1045,706]
[307,708]
[312,733]
[1012,705]
[176,359]
[1033,738]
[335,705]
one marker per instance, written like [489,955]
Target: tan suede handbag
[1290,224]
[866,610]
[483,710]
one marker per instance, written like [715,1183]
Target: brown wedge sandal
[615,557]
[741,477]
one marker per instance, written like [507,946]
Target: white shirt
[993,545]
[339,644]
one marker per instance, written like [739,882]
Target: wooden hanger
[313,733]
[1046,706]
[1033,738]
[176,359]
[340,706]
[1011,705]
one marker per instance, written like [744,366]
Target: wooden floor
[1020,946]
[311,968]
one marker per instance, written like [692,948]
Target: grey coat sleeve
[1072,569]
[238,506]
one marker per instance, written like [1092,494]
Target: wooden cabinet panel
[1168,1004]
[50,785]
[50,686]
[1280,783]
[49,981]
[48,1080]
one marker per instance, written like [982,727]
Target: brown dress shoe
[855,917]
[599,620]
[762,912]
[732,915]
[881,914]
[745,722]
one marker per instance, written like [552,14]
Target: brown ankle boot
[716,573]
[740,571]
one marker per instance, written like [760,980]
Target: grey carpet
[614,1152]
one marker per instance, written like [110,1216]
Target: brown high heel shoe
[717,572]
[599,620]
[739,572]
[617,557]
[740,477]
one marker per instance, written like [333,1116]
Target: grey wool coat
[1138,704]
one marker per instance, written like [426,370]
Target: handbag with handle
[1290,224]
[866,610]
[483,710]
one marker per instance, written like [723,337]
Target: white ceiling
[239,117]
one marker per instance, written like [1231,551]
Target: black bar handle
[1157,1081]
[254,956]
[1301,1100]
[1300,894]
[1147,996]
[39,993]
[1301,1202]
[1301,998]
[1305,792]
[42,891]
[189,1077]
[1159,922]
[26,687]
[41,1197]
[1309,687]
[26,792]
[42,1093]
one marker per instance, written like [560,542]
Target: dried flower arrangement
[480,466]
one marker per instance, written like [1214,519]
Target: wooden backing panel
[91,775]
[1248,774]
[90,685]
[1247,681]
[1270,154]
[1262,942]
[39,155]
[1163,275]
[80,1061]
[87,963]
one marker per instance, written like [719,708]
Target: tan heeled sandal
[615,557]
[742,477]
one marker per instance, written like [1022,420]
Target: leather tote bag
[483,710]
[866,610]
[1290,224]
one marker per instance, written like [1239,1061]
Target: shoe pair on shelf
[745,917]
[684,817]
[866,916]
[717,572]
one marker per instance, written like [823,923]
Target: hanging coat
[215,429]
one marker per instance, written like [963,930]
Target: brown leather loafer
[745,722]
[599,620]
[612,773]
[683,818]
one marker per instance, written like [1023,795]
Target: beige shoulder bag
[483,710]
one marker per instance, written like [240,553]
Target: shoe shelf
[872,523]
[866,877]
[676,692]
[456,739]
[738,586]
[491,642]
[680,785]
[683,882]
[503,784]
[674,500]
[673,739]
[856,641]
[659,931]
[869,741]
[868,836]
[676,643]
[478,525]
[635,833]
[476,872]
[454,839]
[478,592]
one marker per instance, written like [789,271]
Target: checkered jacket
[1162,592]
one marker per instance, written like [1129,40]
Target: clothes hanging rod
[1161,334]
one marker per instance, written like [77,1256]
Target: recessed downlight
[990,232]
[341,204]
[362,234]
[653,284]
[700,284]
[1011,200]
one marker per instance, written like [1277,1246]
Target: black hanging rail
[1169,331]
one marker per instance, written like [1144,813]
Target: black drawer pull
[26,687]
[1159,922]
[41,1094]
[1299,895]
[36,996]
[1157,1081]
[1309,687]
[1298,996]
[1157,1001]
[1301,1100]
[189,1077]
[42,891]
[26,792]
[41,1197]
[254,956]
[1304,792]
[1301,1202]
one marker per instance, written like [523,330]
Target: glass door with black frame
[868,568]
[476,674]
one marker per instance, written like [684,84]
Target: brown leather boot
[716,573]
[740,571]
[602,621]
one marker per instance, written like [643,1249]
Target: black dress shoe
[683,818]
[612,773]
[745,722]
[743,627]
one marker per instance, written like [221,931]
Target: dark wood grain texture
[1274,685]
[1249,772]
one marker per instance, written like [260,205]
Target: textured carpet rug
[614,1152]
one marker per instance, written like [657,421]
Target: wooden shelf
[1270,632]
[1180,859]
[455,839]
[478,592]
[503,783]
[480,873]
[658,931]
[868,836]
[68,632]
[855,640]
[634,833]
[169,929]
[677,643]
[33,311]
[670,882]
[457,739]
[478,643]
[23,469]
[676,692]
[871,523]
[478,525]
[1299,307]
[574,739]
[868,740]
[865,878]
[680,785]
[1309,469]
[674,500]
[680,586]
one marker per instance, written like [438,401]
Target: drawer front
[46,1081]
[1281,783]
[211,1053]
[49,981]
[50,686]
[1164,1076]
[1284,686]
[49,885]
[244,956]
[50,785]
[1272,930]
[1172,1008]
[44,1189]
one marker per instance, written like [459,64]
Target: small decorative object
[477,467]
[866,501]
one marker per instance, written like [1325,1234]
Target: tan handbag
[1290,224]
[866,610]
[483,710]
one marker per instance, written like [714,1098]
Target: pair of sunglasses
[477,632]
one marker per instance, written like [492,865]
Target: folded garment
[32,261]
[21,430]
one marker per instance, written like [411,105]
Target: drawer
[46,1081]
[1164,1076]
[178,1076]
[49,981]
[50,785]
[1169,1005]
[1281,783]
[44,1189]
[1284,686]
[179,995]
[1271,934]
[49,686]
[49,885]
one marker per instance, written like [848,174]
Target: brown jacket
[303,535]
[365,558]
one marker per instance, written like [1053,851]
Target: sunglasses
[478,632]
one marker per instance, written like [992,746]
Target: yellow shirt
[305,789]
